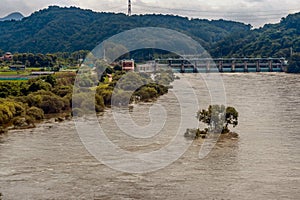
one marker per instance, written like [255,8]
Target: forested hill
[273,40]
[58,29]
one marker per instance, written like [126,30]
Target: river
[50,162]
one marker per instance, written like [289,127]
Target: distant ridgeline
[71,29]
[273,40]
[13,16]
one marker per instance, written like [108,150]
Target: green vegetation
[72,29]
[273,40]
[217,118]
[125,88]
[22,103]
[294,63]
[35,113]
[13,73]
[66,30]
[42,62]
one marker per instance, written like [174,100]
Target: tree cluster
[29,101]
[58,29]
[50,61]
[294,63]
[23,102]
[218,117]
[272,40]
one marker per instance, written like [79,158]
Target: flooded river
[50,162]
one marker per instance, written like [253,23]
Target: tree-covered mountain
[58,29]
[12,16]
[273,40]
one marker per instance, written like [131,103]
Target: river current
[50,161]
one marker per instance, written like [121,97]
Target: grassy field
[14,73]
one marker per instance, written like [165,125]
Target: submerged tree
[218,118]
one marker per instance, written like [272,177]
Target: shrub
[39,85]
[77,99]
[51,79]
[47,101]
[2,131]
[65,78]
[165,78]
[34,100]
[29,120]
[77,112]
[130,82]
[52,104]
[35,113]
[121,98]
[5,114]
[19,121]
[62,90]
[19,108]
[146,93]
[105,91]
[68,101]
[13,88]
[10,109]
[99,103]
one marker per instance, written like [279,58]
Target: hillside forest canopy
[58,29]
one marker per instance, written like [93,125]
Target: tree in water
[218,118]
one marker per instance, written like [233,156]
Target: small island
[217,118]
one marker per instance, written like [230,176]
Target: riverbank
[24,123]
[25,103]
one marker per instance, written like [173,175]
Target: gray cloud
[255,12]
[28,6]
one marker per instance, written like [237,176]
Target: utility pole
[129,7]
[291,51]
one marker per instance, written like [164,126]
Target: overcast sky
[255,12]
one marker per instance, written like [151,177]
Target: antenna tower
[129,7]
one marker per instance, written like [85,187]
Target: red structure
[128,65]
[7,56]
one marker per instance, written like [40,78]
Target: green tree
[50,79]
[218,118]
[39,85]
[131,81]
[52,104]
[31,35]
[146,93]
[10,109]
[35,113]
[231,117]
[294,63]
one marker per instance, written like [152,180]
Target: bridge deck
[217,65]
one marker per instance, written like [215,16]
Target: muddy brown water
[50,162]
